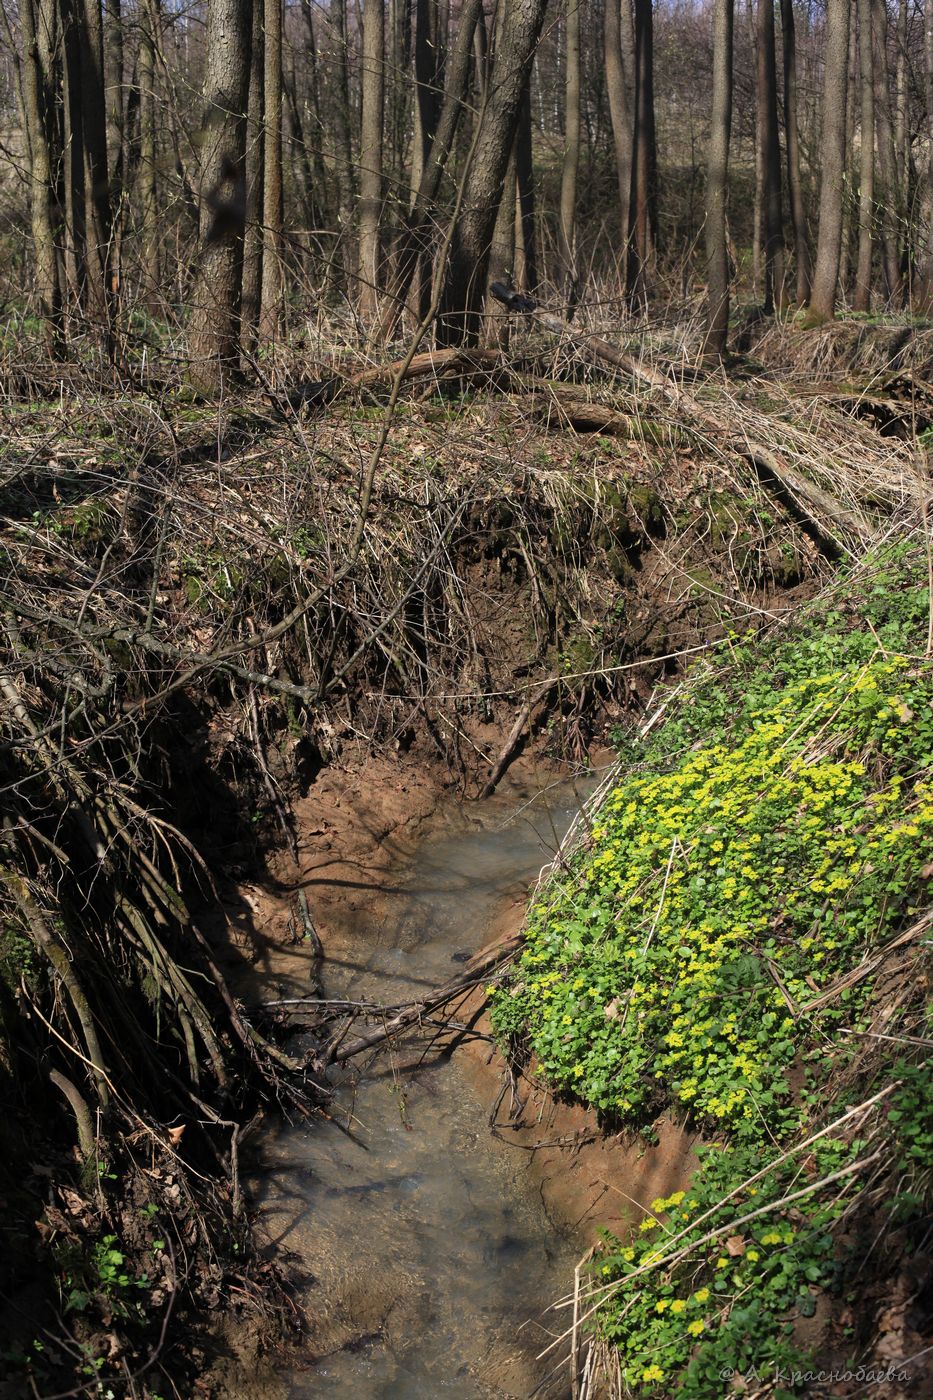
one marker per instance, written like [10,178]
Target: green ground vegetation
[702,953]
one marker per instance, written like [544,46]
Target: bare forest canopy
[202,178]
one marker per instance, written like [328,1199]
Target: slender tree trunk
[571,165]
[771,163]
[416,235]
[251,294]
[527,233]
[428,88]
[794,184]
[717,182]
[214,335]
[502,258]
[40,182]
[849,210]
[75,228]
[901,134]
[924,290]
[113,92]
[150,16]
[643,214]
[619,94]
[866,194]
[886,185]
[465,280]
[343,149]
[270,306]
[833,162]
[98,211]
[373,85]
[758,197]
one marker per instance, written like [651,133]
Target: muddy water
[427,1258]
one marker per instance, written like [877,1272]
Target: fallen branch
[691,411]
[413,1013]
[510,748]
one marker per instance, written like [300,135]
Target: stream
[426,1260]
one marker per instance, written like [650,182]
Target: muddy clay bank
[430,1230]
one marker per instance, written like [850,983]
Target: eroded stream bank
[424,1253]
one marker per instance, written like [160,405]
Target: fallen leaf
[735,1245]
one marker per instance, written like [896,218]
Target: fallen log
[771,471]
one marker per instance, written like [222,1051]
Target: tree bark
[619,95]
[527,232]
[465,280]
[75,230]
[373,87]
[150,18]
[502,259]
[214,336]
[794,185]
[924,294]
[771,158]
[343,150]
[429,88]
[251,294]
[270,306]
[40,183]
[415,237]
[833,161]
[571,163]
[97,209]
[866,195]
[887,194]
[643,210]
[717,182]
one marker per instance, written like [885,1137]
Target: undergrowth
[712,950]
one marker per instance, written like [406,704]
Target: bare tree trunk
[643,215]
[758,197]
[75,228]
[113,92]
[619,94]
[888,195]
[794,185]
[40,182]
[270,305]
[527,233]
[343,150]
[833,161]
[502,259]
[97,210]
[416,235]
[429,87]
[717,182]
[771,158]
[924,297]
[214,334]
[465,280]
[251,292]
[849,212]
[866,194]
[571,164]
[901,134]
[150,16]
[373,85]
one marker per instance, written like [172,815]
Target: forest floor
[547,544]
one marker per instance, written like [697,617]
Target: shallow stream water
[427,1258]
